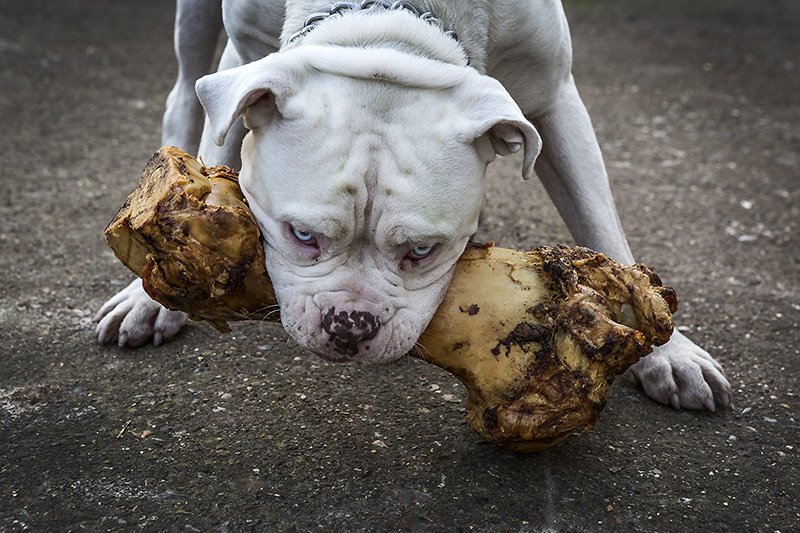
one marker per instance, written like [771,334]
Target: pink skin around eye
[419,256]
[304,242]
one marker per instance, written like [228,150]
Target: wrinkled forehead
[325,96]
[345,136]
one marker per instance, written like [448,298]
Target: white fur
[226,95]
[370,126]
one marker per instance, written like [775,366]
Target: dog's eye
[419,253]
[304,237]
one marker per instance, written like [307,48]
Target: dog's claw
[710,405]
[720,389]
[674,401]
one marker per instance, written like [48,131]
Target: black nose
[347,330]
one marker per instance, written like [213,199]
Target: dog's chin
[333,357]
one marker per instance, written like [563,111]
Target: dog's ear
[494,114]
[255,90]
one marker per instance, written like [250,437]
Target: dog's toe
[655,376]
[694,392]
[720,387]
[107,328]
[167,325]
[137,327]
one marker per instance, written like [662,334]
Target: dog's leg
[131,317]
[680,373]
[198,24]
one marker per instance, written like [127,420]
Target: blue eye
[419,252]
[304,237]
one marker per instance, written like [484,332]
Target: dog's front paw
[132,318]
[683,375]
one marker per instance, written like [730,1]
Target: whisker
[263,315]
[271,308]
[266,312]
[268,316]
[423,352]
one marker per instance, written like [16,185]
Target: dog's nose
[346,330]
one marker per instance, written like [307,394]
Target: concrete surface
[697,105]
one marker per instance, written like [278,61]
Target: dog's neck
[376,27]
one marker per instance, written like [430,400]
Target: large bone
[536,337]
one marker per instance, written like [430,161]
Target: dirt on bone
[536,336]
[187,231]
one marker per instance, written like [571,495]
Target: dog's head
[365,170]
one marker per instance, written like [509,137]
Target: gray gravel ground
[697,105]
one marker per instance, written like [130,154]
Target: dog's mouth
[368,331]
[370,353]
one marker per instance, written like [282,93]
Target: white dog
[367,130]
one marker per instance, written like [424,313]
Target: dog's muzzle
[347,331]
